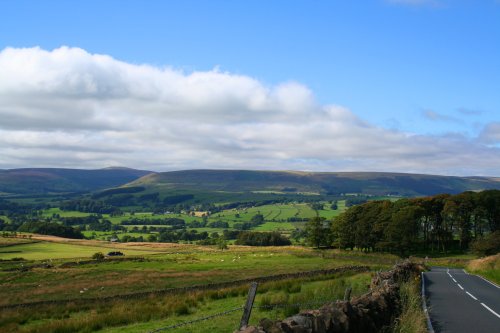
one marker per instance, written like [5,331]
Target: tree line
[437,223]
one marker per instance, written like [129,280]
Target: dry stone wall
[365,314]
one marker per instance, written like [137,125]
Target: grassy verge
[412,318]
[488,267]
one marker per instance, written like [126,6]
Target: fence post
[347,294]
[248,306]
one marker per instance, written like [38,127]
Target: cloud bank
[70,108]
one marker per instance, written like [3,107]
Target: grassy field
[149,267]
[274,300]
[4,218]
[275,218]
[159,267]
[8,242]
[51,250]
[489,267]
[154,266]
[165,266]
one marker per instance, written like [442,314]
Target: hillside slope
[374,183]
[48,180]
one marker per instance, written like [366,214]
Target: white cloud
[435,116]
[491,133]
[69,108]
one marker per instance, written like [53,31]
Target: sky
[372,85]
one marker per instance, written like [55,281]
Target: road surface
[461,303]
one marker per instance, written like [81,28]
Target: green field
[276,218]
[152,267]
[155,266]
[172,265]
[51,250]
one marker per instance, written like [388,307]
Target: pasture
[152,267]
[277,217]
[52,250]
[147,269]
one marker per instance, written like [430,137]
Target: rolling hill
[37,181]
[40,181]
[373,183]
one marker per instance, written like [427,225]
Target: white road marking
[479,276]
[493,284]
[468,293]
[496,314]
[460,286]
[454,280]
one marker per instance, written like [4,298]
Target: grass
[10,241]
[164,266]
[6,219]
[412,318]
[275,217]
[488,267]
[52,250]
[447,260]
[159,311]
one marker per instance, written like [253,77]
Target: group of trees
[262,239]
[254,222]
[90,206]
[438,223]
[176,223]
[48,228]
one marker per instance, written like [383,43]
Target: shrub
[115,253]
[98,256]
[488,245]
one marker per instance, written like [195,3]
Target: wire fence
[316,302]
[197,320]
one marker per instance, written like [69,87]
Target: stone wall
[364,314]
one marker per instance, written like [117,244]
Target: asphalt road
[459,302]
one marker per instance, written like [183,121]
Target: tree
[402,233]
[257,219]
[488,245]
[222,244]
[490,200]
[317,206]
[343,228]
[98,256]
[317,232]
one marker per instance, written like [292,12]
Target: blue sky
[429,68]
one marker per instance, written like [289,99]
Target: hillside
[373,183]
[47,180]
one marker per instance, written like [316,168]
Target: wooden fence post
[347,294]
[248,306]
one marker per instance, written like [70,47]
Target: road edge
[430,329]
[483,278]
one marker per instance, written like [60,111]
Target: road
[459,302]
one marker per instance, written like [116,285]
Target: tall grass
[489,267]
[93,317]
[412,318]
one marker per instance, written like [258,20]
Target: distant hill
[373,183]
[50,181]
